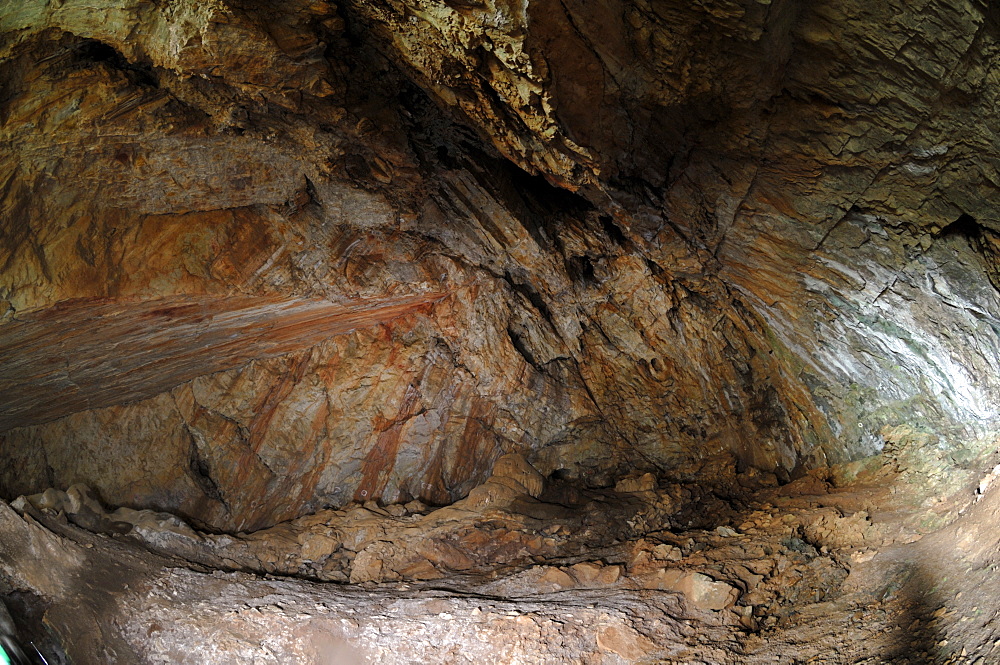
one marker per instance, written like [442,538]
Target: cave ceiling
[261,258]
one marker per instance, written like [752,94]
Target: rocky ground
[860,563]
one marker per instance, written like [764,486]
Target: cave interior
[478,331]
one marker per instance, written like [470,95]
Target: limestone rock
[317,546]
[644,483]
[273,621]
[196,216]
[512,478]
[987,481]
[594,574]
[554,579]
[624,641]
[832,530]
[701,591]
[295,272]
[415,507]
[666,552]
[368,565]
[516,468]
[406,612]
[81,506]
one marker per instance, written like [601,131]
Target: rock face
[477,331]
[762,228]
[791,573]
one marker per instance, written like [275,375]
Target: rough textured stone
[625,642]
[516,468]
[766,254]
[90,354]
[644,483]
[267,269]
[792,600]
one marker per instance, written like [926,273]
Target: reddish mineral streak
[89,354]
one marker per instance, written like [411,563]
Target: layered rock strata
[746,571]
[781,240]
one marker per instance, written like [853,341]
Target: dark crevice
[581,269]
[536,204]
[95,51]
[965,226]
[544,196]
[531,294]
[991,16]
[522,348]
[201,472]
[614,231]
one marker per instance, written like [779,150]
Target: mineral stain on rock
[91,354]
[568,331]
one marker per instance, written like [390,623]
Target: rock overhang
[753,260]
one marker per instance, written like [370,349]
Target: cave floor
[856,564]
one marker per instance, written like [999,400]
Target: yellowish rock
[644,483]
[624,641]
[555,579]
[516,468]
[700,590]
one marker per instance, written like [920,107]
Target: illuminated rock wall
[761,228]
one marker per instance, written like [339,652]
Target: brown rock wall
[780,241]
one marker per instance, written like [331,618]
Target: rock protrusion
[80,505]
[513,477]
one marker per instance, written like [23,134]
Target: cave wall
[632,235]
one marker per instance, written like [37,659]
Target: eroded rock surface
[780,240]
[391,294]
[795,572]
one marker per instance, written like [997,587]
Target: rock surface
[464,583]
[775,244]
[393,293]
